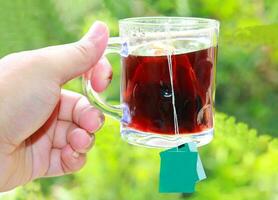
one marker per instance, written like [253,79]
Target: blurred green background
[241,162]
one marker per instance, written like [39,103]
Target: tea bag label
[180,169]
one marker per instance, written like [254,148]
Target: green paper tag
[180,169]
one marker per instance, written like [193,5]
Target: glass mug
[167,81]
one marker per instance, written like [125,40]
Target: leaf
[253,36]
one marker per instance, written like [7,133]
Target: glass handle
[114,46]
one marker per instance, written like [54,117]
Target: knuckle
[82,48]
[85,52]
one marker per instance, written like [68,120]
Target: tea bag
[181,166]
[180,170]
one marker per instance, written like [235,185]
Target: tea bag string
[169,53]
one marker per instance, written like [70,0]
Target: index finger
[101,75]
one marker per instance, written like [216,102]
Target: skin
[44,130]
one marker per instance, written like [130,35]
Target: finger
[55,164]
[80,140]
[101,75]
[70,133]
[64,161]
[76,108]
[63,128]
[71,160]
[64,62]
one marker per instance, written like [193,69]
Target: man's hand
[46,131]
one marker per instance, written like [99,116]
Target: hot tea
[147,93]
[167,80]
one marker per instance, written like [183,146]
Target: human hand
[46,131]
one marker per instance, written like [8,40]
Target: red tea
[147,92]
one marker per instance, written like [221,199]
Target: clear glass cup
[168,80]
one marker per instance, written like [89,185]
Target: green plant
[239,165]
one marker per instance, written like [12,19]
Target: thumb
[65,62]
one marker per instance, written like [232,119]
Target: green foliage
[246,36]
[247,73]
[29,24]
[239,165]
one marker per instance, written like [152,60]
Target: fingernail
[97,30]
[110,77]
[101,121]
[107,73]
[75,154]
[107,81]
[88,145]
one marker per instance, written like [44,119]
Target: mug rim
[198,22]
